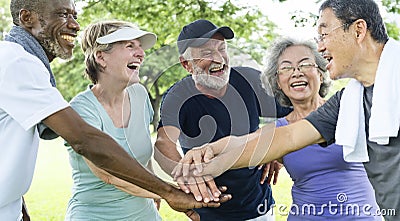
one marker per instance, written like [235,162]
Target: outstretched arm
[263,146]
[270,144]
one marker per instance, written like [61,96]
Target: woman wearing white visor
[118,105]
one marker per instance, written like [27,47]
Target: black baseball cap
[199,32]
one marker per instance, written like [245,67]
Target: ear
[279,85]
[99,58]
[185,64]
[27,18]
[360,29]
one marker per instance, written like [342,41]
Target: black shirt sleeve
[324,119]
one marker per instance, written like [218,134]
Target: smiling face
[299,86]
[56,28]
[122,63]
[210,64]
[338,46]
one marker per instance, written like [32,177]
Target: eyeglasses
[304,68]
[321,37]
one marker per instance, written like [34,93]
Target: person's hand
[270,170]
[182,202]
[193,158]
[202,187]
[196,159]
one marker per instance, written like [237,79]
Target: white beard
[203,78]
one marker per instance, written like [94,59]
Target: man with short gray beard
[217,100]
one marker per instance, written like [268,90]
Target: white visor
[147,39]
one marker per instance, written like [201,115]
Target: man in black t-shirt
[217,100]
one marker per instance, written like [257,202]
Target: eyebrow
[322,25]
[301,60]
[68,10]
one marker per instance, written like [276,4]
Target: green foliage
[302,19]
[5,17]
[70,75]
[392,6]
[393,30]
[48,196]
[161,68]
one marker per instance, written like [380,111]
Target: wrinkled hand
[194,157]
[202,187]
[182,202]
[270,170]
[197,159]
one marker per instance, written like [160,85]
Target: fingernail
[206,200]
[198,198]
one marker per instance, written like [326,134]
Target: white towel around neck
[384,121]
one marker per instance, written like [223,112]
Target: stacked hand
[202,187]
[208,160]
[195,171]
[182,202]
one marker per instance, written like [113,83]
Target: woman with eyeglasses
[325,186]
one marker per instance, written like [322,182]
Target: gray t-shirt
[383,167]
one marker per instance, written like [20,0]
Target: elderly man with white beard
[215,101]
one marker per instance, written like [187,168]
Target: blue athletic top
[326,187]
[202,119]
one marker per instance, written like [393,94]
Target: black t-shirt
[383,168]
[202,119]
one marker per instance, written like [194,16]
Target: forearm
[167,159]
[269,143]
[119,183]
[165,148]
[109,156]
[103,151]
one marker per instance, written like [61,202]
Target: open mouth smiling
[299,84]
[68,38]
[133,66]
[217,68]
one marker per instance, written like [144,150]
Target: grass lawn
[48,196]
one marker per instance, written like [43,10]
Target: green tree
[391,6]
[161,69]
[5,17]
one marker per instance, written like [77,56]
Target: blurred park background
[254,31]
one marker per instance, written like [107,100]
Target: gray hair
[349,11]
[31,5]
[269,76]
[187,54]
